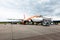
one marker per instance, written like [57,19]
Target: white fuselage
[37,19]
[9,20]
[54,18]
[49,18]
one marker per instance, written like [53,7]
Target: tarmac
[29,32]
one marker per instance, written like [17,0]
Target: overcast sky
[17,8]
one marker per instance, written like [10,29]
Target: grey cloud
[33,7]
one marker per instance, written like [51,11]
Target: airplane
[12,21]
[55,19]
[44,20]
